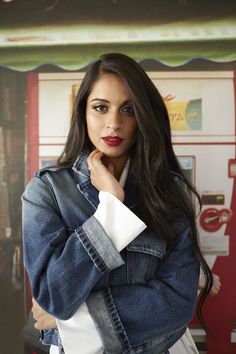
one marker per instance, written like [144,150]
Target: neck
[117,163]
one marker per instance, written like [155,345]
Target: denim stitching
[92,252]
[145,250]
[150,267]
[79,162]
[118,327]
[48,184]
[85,193]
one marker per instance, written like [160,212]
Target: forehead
[109,86]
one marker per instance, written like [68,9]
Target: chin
[113,155]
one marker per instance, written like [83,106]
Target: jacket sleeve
[162,305]
[63,265]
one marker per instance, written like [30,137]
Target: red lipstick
[112,140]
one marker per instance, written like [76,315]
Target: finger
[36,316]
[90,158]
[40,325]
[214,292]
[95,164]
[96,160]
[94,152]
[34,303]
[36,326]
[34,312]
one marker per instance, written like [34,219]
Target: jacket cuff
[99,246]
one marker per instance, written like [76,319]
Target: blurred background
[188,48]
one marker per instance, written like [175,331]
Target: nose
[114,121]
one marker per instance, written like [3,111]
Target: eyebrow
[104,100]
[99,99]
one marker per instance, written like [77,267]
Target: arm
[165,303]
[56,256]
[170,299]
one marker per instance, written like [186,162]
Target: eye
[128,110]
[100,108]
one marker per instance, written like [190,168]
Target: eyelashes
[126,110]
[100,108]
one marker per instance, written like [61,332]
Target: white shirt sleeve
[118,221]
[53,349]
[185,345]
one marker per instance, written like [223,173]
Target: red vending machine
[201,106]
[202,112]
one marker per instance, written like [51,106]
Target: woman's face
[111,124]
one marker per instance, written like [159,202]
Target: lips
[112,140]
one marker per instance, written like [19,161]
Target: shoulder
[53,175]
[45,180]
[48,170]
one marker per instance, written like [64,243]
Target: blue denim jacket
[141,299]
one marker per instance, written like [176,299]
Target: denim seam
[100,313]
[101,242]
[118,326]
[129,262]
[145,250]
[164,298]
[100,265]
[150,345]
[47,182]
[79,162]
[84,184]
[150,267]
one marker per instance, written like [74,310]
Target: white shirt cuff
[118,221]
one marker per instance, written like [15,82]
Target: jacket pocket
[143,257]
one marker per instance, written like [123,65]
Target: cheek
[93,128]
[91,124]
[89,127]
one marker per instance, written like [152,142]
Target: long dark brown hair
[153,158]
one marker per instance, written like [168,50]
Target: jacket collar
[80,167]
[81,170]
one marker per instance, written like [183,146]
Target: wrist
[118,194]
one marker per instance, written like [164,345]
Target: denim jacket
[140,299]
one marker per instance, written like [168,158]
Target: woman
[110,240]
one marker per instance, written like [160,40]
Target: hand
[102,177]
[42,318]
[215,286]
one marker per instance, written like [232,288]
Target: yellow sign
[185,115]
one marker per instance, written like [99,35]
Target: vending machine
[202,113]
[201,107]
